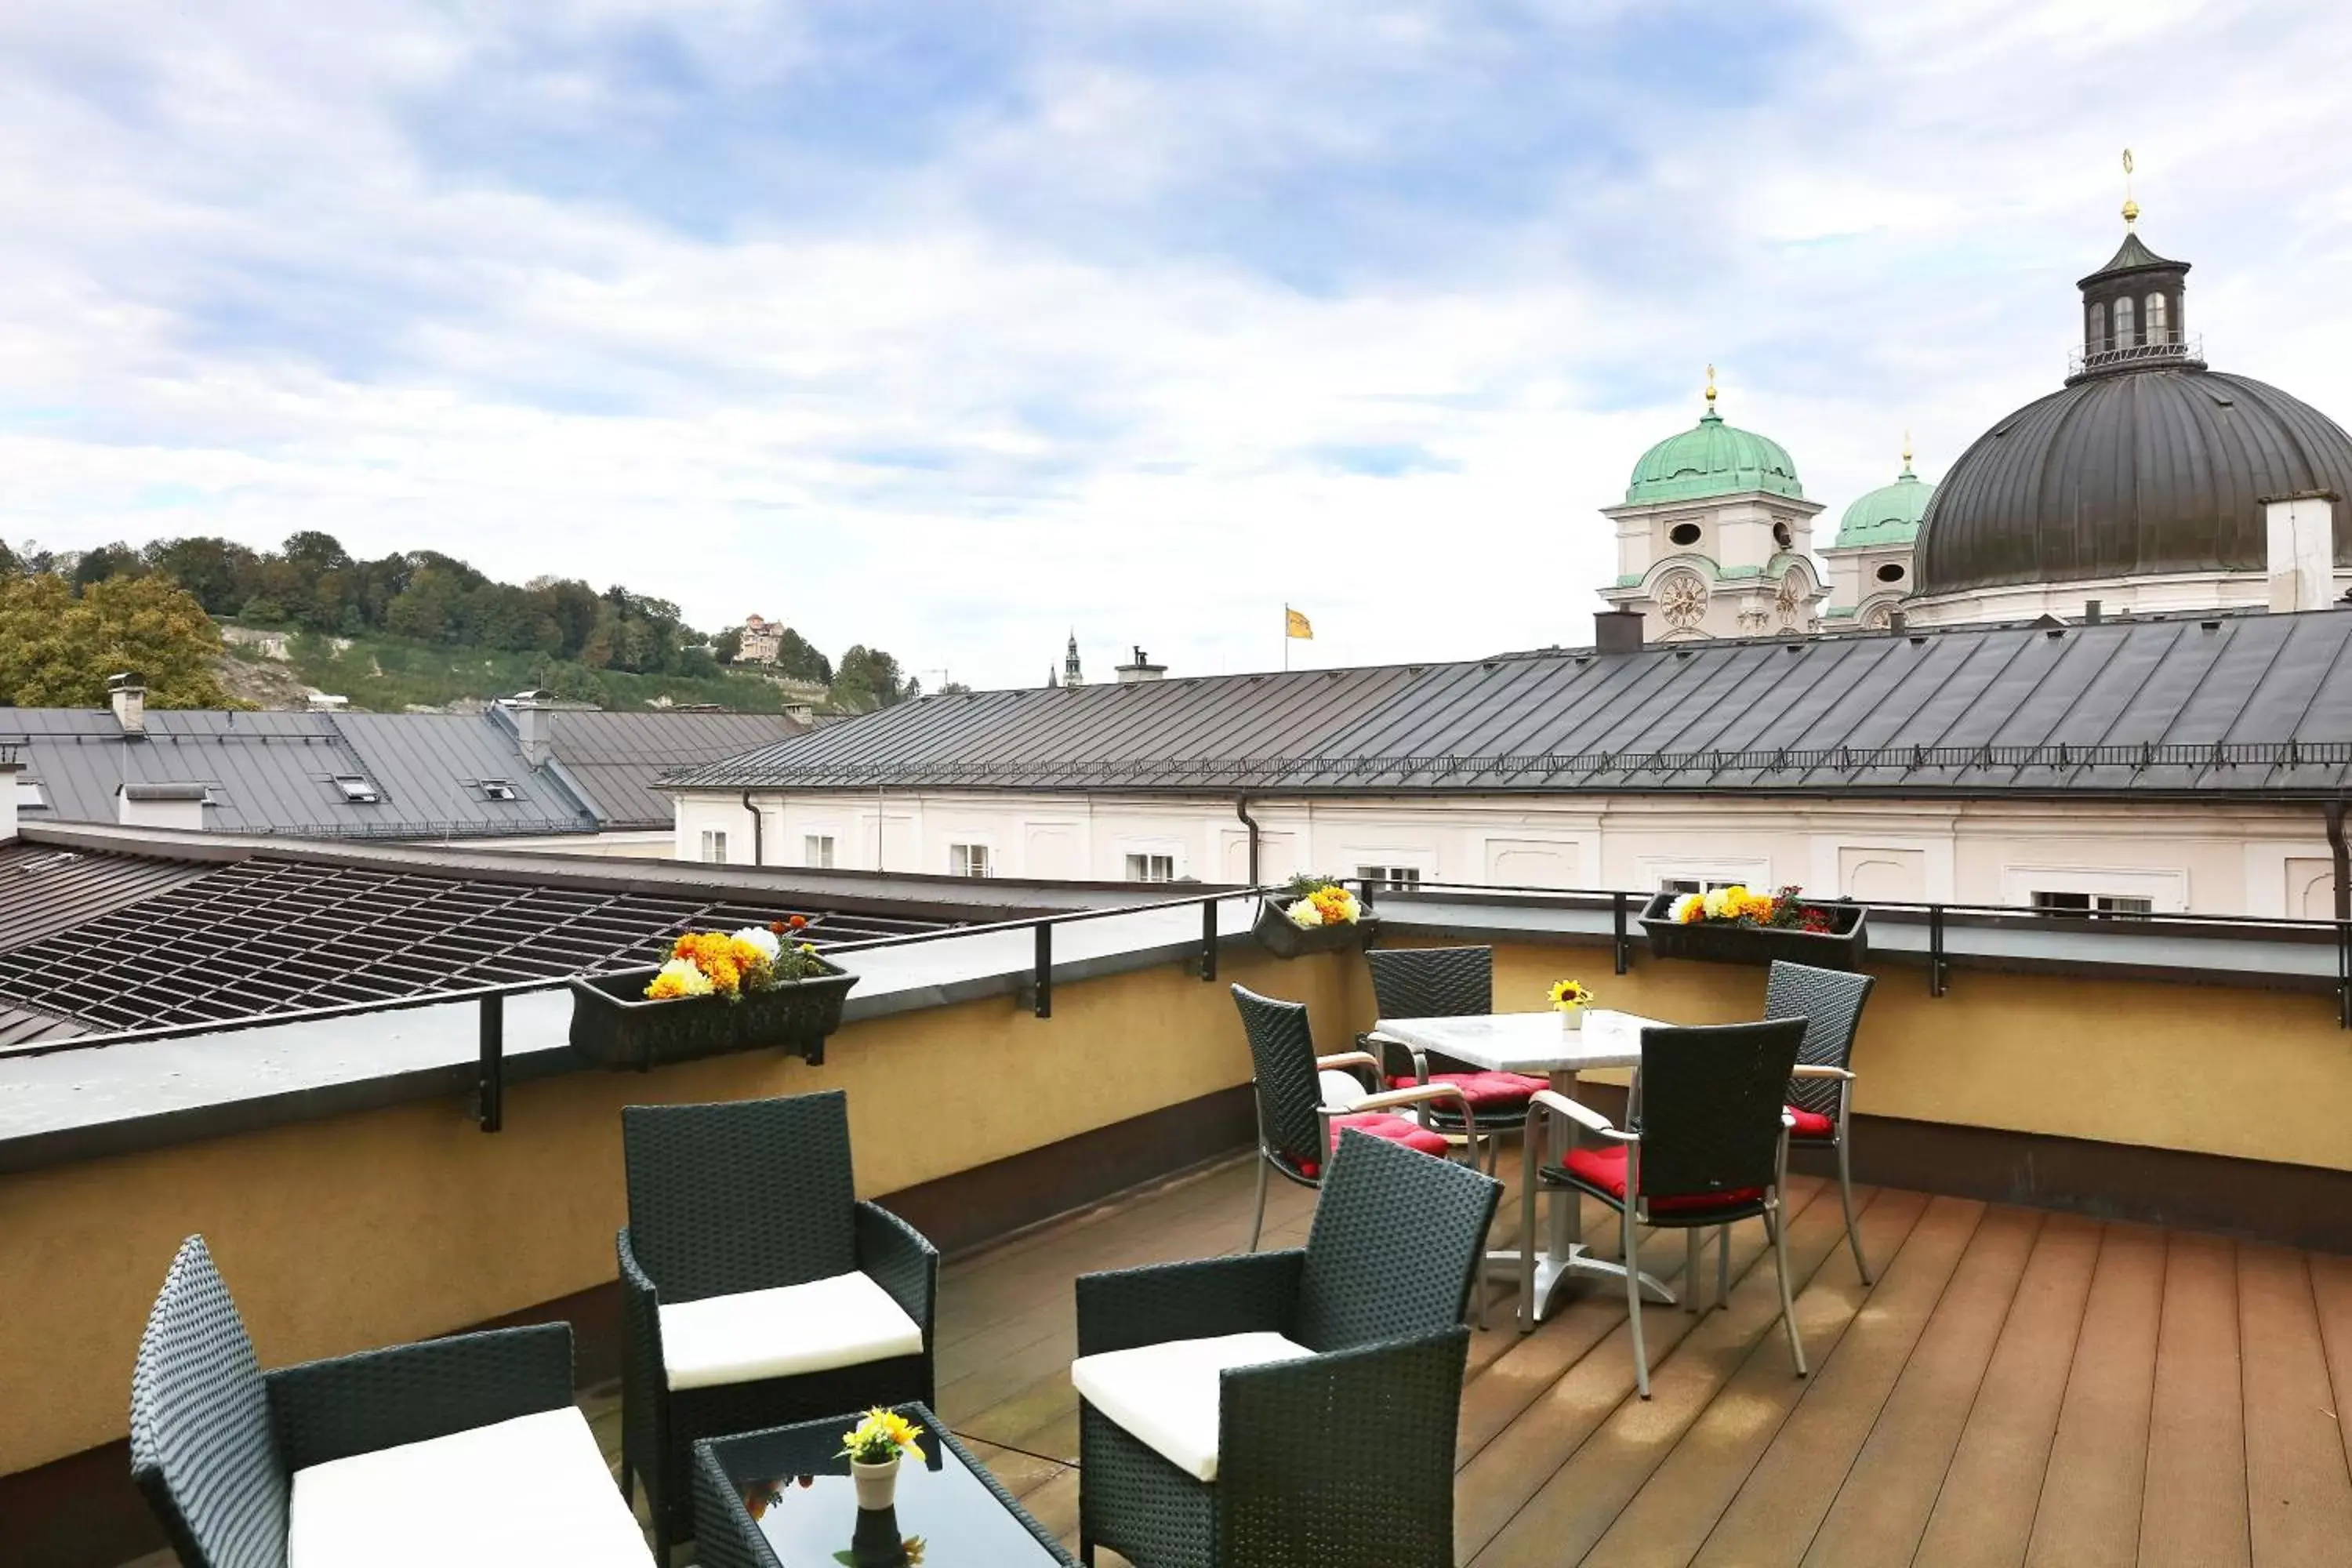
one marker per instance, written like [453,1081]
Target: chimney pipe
[1617,631]
[2090,611]
[1897,620]
[532,718]
[127,694]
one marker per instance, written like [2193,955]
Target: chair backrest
[742,1196]
[201,1446]
[1432,982]
[1711,1099]
[1394,1245]
[1282,1051]
[1829,1001]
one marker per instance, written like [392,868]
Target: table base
[1578,1263]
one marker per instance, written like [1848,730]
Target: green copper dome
[1887,515]
[1712,459]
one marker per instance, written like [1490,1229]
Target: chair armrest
[1583,1115]
[350,1405]
[1809,1069]
[1349,1454]
[1420,1094]
[1349,1060]
[900,1260]
[1250,1293]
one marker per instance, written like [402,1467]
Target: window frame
[2127,331]
[819,860]
[977,857]
[1149,860]
[714,847]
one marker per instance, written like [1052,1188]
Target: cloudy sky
[950,327]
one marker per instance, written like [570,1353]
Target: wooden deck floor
[2018,1388]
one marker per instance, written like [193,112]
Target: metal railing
[2165,346]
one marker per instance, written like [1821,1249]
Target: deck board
[2017,1387]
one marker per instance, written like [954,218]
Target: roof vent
[1617,631]
[358,790]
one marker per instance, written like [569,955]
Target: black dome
[2148,471]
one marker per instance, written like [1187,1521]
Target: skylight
[359,791]
[499,789]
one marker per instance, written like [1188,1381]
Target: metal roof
[269,773]
[282,929]
[2251,705]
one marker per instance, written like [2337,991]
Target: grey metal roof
[275,772]
[2255,706]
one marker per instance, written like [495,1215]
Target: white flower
[1681,912]
[764,939]
[1719,902]
[1304,914]
[689,979]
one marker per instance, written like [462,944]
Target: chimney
[2092,609]
[1617,631]
[127,695]
[11,769]
[533,720]
[1141,670]
[1897,620]
[160,806]
[2302,550]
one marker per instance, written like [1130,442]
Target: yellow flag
[1295,624]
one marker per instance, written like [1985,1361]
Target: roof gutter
[1241,809]
[758,829]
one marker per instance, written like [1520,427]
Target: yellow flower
[882,1434]
[1689,909]
[1568,994]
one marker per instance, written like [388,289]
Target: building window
[968,859]
[816,849]
[2097,340]
[2156,333]
[1383,877]
[714,846]
[1152,867]
[1782,537]
[1891,572]
[1706,884]
[1684,533]
[2093,906]
[2124,322]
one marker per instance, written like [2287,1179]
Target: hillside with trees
[411,628]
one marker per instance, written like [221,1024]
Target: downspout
[757,828]
[2343,860]
[1241,809]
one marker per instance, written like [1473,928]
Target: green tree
[57,650]
[868,677]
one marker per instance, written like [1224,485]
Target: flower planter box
[1279,937]
[614,1025]
[1717,941]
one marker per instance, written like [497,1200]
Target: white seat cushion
[514,1494]
[1165,1395]
[847,1321]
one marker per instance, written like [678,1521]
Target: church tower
[1071,673]
[1715,537]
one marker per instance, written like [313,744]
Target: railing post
[1935,949]
[1208,939]
[1370,886]
[492,1089]
[1624,943]
[2344,974]
[1042,984]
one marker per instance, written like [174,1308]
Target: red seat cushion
[1810,1125]
[1380,1124]
[1483,1091]
[1605,1169]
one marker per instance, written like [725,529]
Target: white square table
[1536,1043]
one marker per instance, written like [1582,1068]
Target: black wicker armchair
[1820,1097]
[462,1450]
[1705,1145]
[756,1289]
[1293,1408]
[1446,983]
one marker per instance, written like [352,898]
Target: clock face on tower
[1682,599]
[1792,599]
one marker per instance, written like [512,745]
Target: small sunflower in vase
[873,1449]
[1569,998]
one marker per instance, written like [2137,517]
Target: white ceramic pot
[878,1485]
[1571,1018]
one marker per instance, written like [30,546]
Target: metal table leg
[1564,1255]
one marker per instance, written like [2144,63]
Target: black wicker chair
[1446,983]
[1327,1435]
[1820,1097]
[216,1442]
[735,1205]
[1705,1145]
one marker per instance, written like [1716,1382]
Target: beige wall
[2209,860]
[392,1224]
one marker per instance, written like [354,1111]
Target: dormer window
[2156,323]
[2123,338]
[358,791]
[499,789]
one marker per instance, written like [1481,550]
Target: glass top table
[781,1499]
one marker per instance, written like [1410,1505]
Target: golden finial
[1710,387]
[1907,451]
[2131,207]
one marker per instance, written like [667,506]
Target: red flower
[777,927]
[798,920]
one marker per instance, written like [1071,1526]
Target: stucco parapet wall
[88,1102]
[2291,958]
